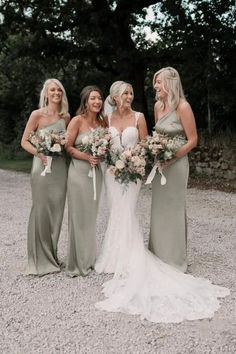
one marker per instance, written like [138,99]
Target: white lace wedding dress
[142,284]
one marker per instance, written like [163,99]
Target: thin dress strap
[109,118]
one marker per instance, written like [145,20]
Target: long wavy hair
[84,97]
[43,101]
[171,85]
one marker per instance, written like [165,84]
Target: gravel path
[55,314]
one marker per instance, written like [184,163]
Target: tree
[198,38]
[97,34]
[84,42]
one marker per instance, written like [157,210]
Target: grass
[200,182]
[19,165]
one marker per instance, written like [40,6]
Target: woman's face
[159,87]
[126,99]
[94,103]
[54,93]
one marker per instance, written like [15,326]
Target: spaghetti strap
[109,118]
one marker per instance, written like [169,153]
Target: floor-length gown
[82,215]
[143,284]
[168,229]
[48,196]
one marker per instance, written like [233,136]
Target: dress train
[143,284]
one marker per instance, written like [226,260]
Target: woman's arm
[32,126]
[142,127]
[156,110]
[72,133]
[187,119]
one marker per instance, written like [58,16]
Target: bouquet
[128,165]
[50,143]
[96,143]
[160,148]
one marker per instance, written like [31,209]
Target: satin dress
[168,230]
[48,197]
[82,215]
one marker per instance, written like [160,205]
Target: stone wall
[214,161]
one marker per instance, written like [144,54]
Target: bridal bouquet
[128,165]
[160,148]
[50,143]
[96,143]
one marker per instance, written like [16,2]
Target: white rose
[42,134]
[104,142]
[168,155]
[85,140]
[120,164]
[56,148]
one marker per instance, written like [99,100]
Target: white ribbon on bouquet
[47,168]
[92,174]
[151,175]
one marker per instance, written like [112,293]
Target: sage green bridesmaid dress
[168,232]
[82,215]
[48,196]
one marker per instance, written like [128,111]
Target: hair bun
[110,100]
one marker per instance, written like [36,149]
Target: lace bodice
[126,139]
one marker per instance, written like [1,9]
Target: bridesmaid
[82,209]
[173,116]
[48,192]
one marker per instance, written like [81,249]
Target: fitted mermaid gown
[48,197]
[82,215]
[168,229]
[142,284]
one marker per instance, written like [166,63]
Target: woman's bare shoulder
[75,121]
[183,105]
[36,115]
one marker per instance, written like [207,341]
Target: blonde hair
[171,85]
[43,101]
[117,89]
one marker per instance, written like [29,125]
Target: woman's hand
[167,163]
[43,158]
[93,160]
[187,119]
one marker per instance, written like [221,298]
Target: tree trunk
[209,123]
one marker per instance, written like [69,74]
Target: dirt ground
[56,314]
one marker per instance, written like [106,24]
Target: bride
[142,284]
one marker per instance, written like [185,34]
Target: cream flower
[85,140]
[120,164]
[56,148]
